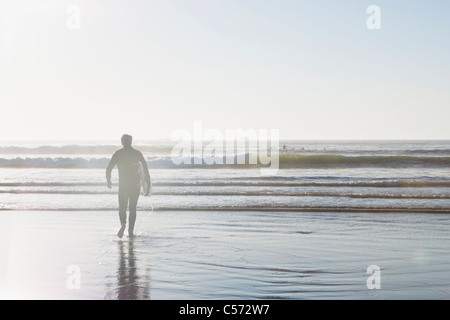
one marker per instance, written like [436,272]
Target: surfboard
[145,188]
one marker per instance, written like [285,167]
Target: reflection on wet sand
[131,283]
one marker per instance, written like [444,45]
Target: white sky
[311,69]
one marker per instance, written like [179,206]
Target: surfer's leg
[123,204]
[134,197]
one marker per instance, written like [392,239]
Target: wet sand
[224,255]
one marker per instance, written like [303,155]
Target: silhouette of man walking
[127,160]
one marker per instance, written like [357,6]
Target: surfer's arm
[111,165]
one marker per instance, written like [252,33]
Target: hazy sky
[310,68]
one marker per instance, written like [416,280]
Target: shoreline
[211,255]
[442,211]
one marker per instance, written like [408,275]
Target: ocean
[368,176]
[314,229]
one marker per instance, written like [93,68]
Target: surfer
[127,160]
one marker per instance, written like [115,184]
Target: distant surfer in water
[127,160]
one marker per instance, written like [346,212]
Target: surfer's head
[126,140]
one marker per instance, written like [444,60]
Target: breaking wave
[286,161]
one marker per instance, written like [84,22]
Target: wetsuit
[127,160]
